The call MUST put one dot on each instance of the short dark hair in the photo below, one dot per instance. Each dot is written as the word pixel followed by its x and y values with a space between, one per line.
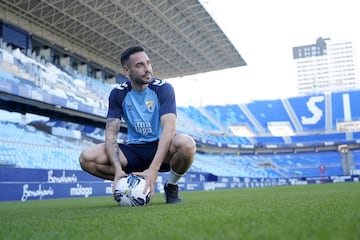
pixel 128 52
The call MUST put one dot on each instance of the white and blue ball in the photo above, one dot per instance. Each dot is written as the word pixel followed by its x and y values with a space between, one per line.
pixel 130 191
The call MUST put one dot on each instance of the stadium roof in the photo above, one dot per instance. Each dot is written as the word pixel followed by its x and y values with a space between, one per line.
pixel 181 37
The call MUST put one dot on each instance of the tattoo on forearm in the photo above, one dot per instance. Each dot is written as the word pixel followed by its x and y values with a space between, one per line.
pixel 111 132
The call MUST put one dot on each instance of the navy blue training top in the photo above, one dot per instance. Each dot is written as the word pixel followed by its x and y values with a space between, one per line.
pixel 142 110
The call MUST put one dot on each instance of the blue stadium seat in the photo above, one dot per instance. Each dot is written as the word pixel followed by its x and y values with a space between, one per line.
pixel 230 115
pixel 269 111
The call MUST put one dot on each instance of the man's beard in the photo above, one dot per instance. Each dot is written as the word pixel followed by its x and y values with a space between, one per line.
pixel 142 81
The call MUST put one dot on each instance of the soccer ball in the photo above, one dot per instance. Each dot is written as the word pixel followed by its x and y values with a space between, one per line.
pixel 130 191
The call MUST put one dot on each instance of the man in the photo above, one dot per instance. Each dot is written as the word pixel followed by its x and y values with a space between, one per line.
pixel 148 107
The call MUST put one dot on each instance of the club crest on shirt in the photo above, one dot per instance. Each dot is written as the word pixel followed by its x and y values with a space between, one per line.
pixel 150 105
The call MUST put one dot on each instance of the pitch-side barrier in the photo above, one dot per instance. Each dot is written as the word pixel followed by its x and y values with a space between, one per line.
pixel 20 184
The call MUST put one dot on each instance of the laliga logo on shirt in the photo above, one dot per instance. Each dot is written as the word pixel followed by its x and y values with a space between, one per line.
pixel 317 113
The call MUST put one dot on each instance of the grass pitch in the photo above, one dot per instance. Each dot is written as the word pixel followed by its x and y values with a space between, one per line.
pixel 326 211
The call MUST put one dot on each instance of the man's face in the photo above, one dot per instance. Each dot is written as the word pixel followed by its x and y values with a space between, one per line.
pixel 139 69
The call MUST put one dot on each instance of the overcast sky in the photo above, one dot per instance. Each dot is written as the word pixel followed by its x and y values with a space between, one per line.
pixel 264 33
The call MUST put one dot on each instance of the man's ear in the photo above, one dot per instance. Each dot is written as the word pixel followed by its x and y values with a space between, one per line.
pixel 126 70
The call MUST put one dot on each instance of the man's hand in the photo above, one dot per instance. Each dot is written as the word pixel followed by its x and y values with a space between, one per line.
pixel 117 177
pixel 150 176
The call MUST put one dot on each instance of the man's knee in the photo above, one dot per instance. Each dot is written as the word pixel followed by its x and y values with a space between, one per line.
pixel 190 146
pixel 82 160
pixel 187 145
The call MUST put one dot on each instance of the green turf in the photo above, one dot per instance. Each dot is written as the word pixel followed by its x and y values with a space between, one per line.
pixel 326 211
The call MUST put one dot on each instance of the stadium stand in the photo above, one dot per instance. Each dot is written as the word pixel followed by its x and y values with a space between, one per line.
pixel 307 116
pixel 305 137
pixel 230 115
pixel 24 146
pixel 356 155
